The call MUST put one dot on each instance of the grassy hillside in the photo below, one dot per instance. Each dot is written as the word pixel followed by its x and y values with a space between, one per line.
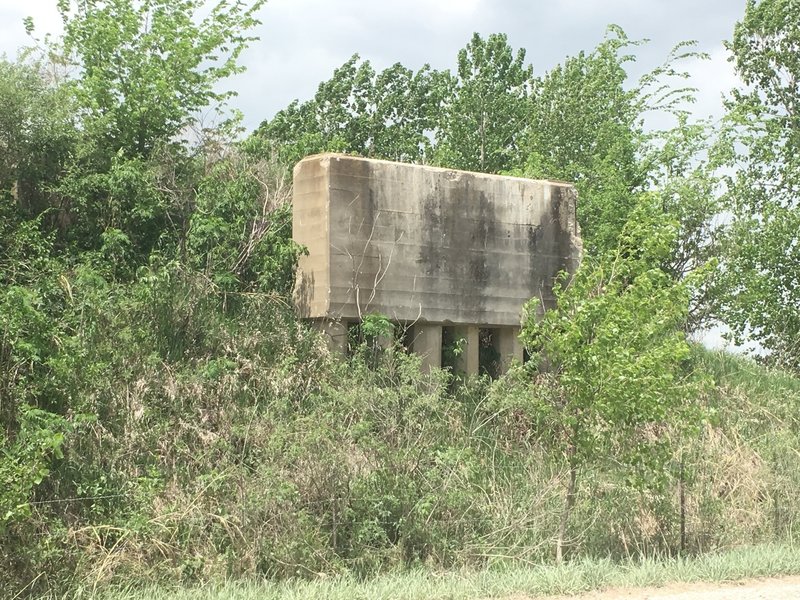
pixel 576 577
pixel 245 450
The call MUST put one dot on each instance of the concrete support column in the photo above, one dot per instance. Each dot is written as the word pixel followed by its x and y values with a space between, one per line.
pixel 508 346
pixel 335 333
pixel 468 361
pixel 427 343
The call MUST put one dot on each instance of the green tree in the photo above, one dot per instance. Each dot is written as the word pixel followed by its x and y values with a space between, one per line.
pixel 486 114
pixel 762 259
pixel 684 181
pixel 36 137
pixel 240 230
pixel 144 71
pixel 390 115
pixel 610 359
pixel 148 67
pixel 586 125
pixel 335 119
pixel 37 134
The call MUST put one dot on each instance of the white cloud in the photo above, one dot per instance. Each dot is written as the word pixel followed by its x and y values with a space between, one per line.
pixel 449 8
pixel 12 31
pixel 302 41
pixel 714 78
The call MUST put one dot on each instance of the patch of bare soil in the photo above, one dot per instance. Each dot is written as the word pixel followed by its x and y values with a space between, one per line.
pixel 784 588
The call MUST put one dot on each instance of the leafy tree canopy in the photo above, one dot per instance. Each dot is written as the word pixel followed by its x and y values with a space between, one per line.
pixel 148 67
pixel 390 115
pixel 486 113
pixel 612 382
pixel 762 130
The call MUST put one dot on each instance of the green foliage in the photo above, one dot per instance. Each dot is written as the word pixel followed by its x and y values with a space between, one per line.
pixel 612 357
pixel 122 206
pixel 475 117
pixel 763 134
pixel 452 348
pixel 30 398
pixel 240 230
pixel 166 417
pixel 377 325
pixel 145 71
pixel 485 116
pixel 389 115
pixel 36 135
pixel 228 444
pixel 615 349
pixel 105 213
pixel 585 127
pixel 147 67
pixel 683 170
pixel 26 457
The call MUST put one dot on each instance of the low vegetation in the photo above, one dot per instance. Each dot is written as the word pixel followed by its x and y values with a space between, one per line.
pixel 258 454
pixel 166 417
pixel 573 578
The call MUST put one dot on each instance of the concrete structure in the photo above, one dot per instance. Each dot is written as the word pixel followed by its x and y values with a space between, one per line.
pixel 429 248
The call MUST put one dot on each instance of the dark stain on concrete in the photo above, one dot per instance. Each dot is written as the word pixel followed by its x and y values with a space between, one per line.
pixel 430 256
pixel 483 227
pixel 535 235
pixel 461 238
pixel 459 222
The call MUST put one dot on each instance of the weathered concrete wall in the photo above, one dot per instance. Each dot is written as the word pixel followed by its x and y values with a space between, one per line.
pixel 423 244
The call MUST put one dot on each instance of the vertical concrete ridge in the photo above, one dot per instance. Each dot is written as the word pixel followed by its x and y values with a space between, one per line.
pixel 573 228
pixel 311 229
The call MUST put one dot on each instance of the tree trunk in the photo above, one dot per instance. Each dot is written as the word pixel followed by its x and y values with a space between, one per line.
pixel 569 502
pixel 483 141
pixel 682 490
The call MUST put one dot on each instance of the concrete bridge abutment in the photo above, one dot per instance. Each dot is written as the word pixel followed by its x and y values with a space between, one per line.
pixel 434 248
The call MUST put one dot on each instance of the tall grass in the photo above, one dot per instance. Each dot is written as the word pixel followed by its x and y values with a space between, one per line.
pixel 750 470
pixel 242 450
pixel 571 578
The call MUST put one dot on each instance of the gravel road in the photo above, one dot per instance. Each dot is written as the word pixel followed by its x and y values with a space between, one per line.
pixel 787 588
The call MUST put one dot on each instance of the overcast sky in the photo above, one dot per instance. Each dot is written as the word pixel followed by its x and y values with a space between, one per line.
pixel 303 41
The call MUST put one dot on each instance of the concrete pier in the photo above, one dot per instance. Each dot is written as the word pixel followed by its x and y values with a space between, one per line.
pixel 468 359
pixel 508 347
pixel 335 333
pixel 427 343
